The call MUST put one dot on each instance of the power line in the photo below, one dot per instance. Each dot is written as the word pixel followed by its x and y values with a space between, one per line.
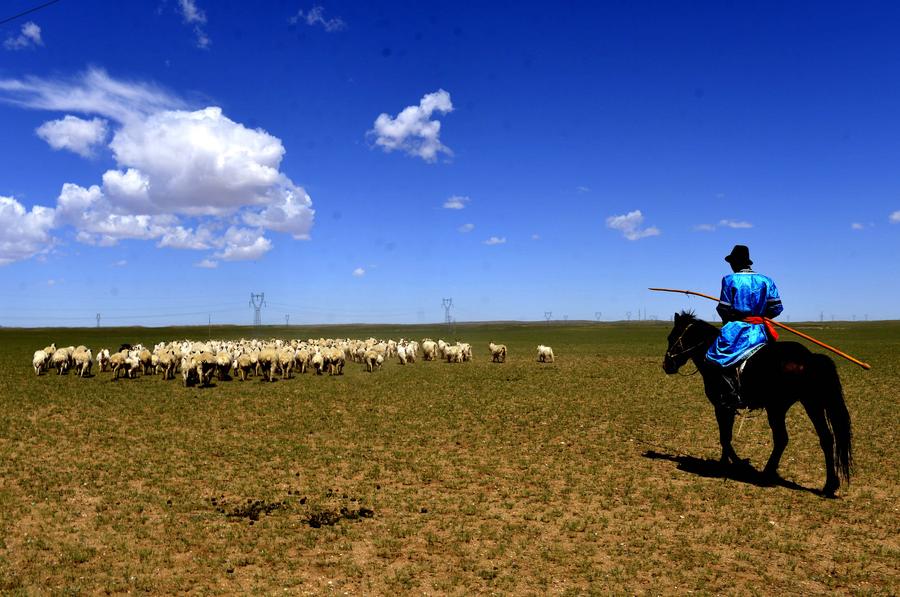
pixel 257 301
pixel 447 303
pixel 28 12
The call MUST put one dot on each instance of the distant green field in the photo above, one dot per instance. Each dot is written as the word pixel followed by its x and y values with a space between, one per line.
pixel 589 475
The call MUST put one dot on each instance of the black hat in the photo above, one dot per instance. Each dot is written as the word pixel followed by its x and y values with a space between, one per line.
pixel 740 255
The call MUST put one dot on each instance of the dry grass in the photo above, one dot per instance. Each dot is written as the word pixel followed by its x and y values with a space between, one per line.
pixel 589 475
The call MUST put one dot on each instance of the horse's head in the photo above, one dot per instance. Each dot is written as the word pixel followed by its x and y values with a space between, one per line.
pixel 687 337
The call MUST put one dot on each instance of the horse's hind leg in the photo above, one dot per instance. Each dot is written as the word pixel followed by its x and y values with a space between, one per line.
pixel 779 440
pixel 725 419
pixel 826 440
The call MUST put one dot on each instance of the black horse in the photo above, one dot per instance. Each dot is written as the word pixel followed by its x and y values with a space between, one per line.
pixel 777 376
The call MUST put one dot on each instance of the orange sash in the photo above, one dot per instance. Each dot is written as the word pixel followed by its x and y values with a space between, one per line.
pixel 770 329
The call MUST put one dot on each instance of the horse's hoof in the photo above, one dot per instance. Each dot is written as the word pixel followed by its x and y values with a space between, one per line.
pixel 830 489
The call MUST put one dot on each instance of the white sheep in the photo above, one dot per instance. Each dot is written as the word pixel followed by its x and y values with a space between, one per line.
pixel 243 365
pixel 545 354
pixel 60 361
pixel 83 361
pixel 166 362
pixel 453 354
pixel 102 359
pixel 267 360
pixel 285 359
pixel 317 362
pixel 117 363
pixel 39 361
pixel 373 360
pixel 334 360
pixel 498 352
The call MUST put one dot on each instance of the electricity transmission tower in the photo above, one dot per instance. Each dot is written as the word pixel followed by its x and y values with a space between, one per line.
pixel 548 315
pixel 598 315
pixel 287 319
pixel 257 301
pixel 447 303
pixel 628 315
pixel 98 320
pixel 565 318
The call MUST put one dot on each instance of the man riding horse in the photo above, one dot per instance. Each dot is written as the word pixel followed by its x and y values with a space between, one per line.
pixel 746 298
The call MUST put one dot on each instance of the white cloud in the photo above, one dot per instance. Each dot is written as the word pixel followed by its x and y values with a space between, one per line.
pixel 456 202
pixel 243 244
pixel 315 16
pixel 193 15
pixel 203 163
pixel 496 240
pixel 412 130
pixel 51 282
pixel 190 12
pixel 535 237
pixel 180 237
pixel 182 176
pixel 735 224
pixel 857 226
pixel 89 212
pixel 73 133
pixel 30 36
pixel 129 191
pixel 465 228
pixel 289 211
pixel 23 233
pixel 91 92
pixel 207 264
pixel 583 189
pixel 894 218
pixel 120 263
pixel 630 225
pixel 359 272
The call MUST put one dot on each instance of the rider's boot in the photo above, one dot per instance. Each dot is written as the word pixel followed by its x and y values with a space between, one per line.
pixel 729 390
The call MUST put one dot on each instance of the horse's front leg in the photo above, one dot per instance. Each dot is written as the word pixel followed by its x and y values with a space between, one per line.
pixel 725 419
pixel 779 440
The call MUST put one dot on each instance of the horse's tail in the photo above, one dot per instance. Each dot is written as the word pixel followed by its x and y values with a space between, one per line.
pixel 829 384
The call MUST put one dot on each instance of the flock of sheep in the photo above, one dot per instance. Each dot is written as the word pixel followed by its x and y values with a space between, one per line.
pixel 198 362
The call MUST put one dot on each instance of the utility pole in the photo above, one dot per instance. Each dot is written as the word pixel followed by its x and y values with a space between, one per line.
pixel 287 320
pixel 257 301
pixel 447 303
pixel 98 320
pixel 209 325
pixel 548 315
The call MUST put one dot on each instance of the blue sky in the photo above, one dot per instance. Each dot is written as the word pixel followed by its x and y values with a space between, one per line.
pixel 160 160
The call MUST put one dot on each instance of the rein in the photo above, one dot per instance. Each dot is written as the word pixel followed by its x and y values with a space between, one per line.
pixel 677 344
pixel 684 351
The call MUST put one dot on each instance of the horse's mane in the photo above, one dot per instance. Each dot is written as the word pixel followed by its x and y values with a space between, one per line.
pixel 690 317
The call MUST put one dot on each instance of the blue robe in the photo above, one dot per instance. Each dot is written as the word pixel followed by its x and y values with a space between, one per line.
pixel 744 294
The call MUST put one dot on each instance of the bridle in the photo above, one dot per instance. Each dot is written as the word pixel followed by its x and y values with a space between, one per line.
pixel 677 344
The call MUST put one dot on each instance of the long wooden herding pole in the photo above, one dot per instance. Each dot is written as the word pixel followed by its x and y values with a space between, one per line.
pixel 781 325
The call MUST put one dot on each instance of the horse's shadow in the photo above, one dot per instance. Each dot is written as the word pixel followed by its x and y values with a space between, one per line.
pixel 714 469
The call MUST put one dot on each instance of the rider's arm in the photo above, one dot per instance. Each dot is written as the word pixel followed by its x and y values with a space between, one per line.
pixel 773 301
pixel 724 308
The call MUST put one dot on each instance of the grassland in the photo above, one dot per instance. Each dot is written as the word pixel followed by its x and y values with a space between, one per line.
pixel 589 475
